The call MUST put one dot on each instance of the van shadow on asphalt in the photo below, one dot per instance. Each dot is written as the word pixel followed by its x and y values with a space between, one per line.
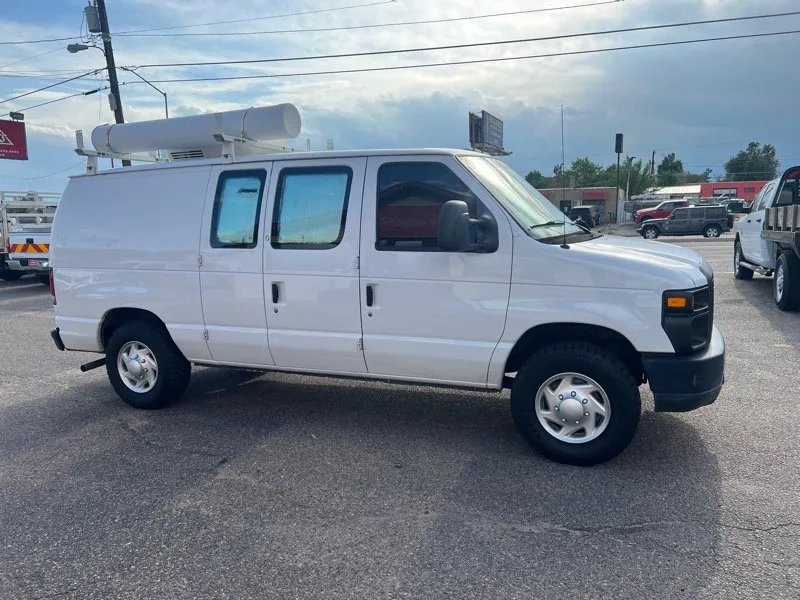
pixel 347 486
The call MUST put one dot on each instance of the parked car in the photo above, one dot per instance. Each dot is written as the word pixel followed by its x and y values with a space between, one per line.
pixel 710 221
pixel 661 211
pixel 584 215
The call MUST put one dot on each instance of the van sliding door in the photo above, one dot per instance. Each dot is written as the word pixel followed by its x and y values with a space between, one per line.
pixel 231 264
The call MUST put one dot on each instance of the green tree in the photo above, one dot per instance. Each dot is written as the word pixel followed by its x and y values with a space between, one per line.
pixel 586 172
pixel 670 171
pixel 537 179
pixel 640 178
pixel 754 162
pixel 703 177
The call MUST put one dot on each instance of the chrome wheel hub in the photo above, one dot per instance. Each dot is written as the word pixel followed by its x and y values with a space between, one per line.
pixel 573 408
pixel 779 282
pixel 137 367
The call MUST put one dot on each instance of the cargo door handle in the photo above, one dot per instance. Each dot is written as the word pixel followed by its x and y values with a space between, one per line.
pixel 370 295
pixel 758 220
pixel 276 296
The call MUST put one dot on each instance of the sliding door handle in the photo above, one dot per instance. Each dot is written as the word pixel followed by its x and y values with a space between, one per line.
pixel 276 295
pixel 370 295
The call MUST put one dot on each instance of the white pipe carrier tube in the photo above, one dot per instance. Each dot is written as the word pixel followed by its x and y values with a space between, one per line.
pixel 263 123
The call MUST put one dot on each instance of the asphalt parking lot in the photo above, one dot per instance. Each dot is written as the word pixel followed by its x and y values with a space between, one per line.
pixel 276 486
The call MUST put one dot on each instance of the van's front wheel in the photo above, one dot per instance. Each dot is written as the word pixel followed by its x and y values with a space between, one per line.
pixel 576 403
pixel 145 367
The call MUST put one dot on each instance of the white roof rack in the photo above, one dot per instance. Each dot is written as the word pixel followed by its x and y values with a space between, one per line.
pixel 254 130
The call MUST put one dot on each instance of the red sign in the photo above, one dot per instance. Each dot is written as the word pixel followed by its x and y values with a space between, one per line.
pixel 13 144
pixel 594 194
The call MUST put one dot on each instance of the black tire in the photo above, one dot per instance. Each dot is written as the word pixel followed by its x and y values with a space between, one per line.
pixel 652 230
pixel 43 279
pixel 7 275
pixel 590 361
pixel 739 271
pixel 173 371
pixel 787 274
pixel 712 231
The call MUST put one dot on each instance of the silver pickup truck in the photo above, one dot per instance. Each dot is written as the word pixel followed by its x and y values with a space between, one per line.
pixel 768 239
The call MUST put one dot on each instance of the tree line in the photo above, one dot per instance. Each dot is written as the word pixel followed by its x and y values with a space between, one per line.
pixel 755 162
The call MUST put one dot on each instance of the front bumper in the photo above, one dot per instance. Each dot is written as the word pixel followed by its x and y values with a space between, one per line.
pixel 681 383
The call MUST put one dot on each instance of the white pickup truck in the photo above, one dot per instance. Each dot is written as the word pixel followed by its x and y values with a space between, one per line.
pixel 26 219
pixel 425 266
pixel 768 239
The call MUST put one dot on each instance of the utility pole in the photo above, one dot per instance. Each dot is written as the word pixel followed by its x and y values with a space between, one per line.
pixel 112 68
pixel 653 165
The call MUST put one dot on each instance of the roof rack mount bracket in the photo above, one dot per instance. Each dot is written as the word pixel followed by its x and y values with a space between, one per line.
pixel 93 155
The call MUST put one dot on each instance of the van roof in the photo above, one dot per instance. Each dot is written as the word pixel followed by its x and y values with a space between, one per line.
pixel 286 156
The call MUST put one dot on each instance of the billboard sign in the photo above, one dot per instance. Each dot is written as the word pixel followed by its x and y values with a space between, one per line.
pixel 492 130
pixel 13 144
pixel 475 131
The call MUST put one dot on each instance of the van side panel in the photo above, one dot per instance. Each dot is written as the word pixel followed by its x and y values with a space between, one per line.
pixel 130 239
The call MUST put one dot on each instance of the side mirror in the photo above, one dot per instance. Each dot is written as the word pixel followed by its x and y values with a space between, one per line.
pixel 746 209
pixel 458 233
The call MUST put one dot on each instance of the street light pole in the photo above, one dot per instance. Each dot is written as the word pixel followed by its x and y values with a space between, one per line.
pixel 629 160
pixel 162 92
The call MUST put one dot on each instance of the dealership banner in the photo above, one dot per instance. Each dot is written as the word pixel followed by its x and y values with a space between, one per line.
pixel 13 144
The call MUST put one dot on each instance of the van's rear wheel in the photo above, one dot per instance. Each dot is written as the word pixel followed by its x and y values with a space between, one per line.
pixel 786 282
pixel 145 367
pixel 576 403
pixel 711 231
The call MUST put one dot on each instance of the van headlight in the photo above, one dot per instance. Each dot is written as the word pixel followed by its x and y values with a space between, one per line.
pixel 687 317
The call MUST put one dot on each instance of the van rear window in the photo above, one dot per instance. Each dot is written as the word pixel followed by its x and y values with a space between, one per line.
pixel 234 223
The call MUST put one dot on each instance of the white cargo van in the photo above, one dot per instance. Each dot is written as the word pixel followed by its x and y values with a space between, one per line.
pixel 425 266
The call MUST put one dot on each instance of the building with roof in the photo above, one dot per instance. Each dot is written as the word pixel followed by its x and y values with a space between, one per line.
pixel 605 200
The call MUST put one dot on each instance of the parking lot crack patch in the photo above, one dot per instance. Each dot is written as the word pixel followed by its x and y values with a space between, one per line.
pixel 179 449
pixel 755 529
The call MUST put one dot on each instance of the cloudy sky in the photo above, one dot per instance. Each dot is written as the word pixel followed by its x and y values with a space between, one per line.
pixel 701 101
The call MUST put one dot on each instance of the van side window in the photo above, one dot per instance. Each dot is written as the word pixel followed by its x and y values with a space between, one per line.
pixel 311 207
pixel 234 222
pixel 410 195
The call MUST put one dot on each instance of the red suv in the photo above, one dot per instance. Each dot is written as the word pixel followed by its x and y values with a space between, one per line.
pixel 662 211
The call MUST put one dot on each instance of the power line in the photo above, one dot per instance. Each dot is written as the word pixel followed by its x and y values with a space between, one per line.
pixel 59 99
pixel 20 42
pixel 377 25
pixel 476 61
pixel 440 64
pixel 293 14
pixel 469 45
pixel 69 168
pixel 16 62
pixel 52 85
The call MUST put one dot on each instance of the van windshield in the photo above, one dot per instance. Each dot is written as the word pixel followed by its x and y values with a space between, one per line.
pixel 526 205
